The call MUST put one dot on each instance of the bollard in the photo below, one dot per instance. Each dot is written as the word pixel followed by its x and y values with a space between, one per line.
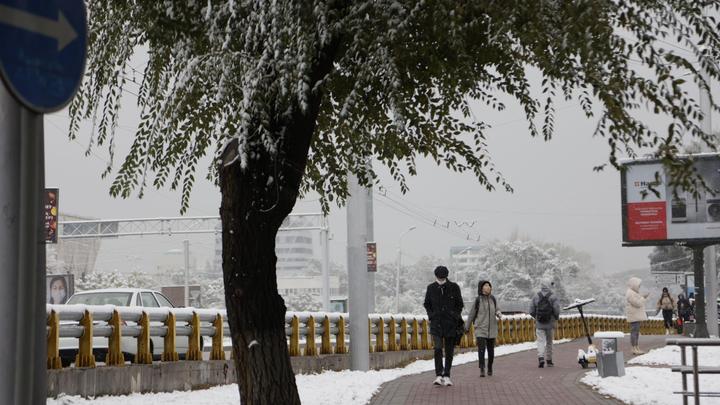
pixel 114 356
pixel 325 345
pixel 370 344
pixel 425 339
pixel 380 337
pixel 85 357
pixel 310 348
pixel 169 352
pixel 415 343
pixel 53 341
pixel 143 356
pixel 404 335
pixel 193 353
pixel 218 351
pixel 340 337
pixel 392 333
pixel 294 348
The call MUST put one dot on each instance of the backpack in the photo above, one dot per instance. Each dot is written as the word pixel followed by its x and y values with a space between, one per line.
pixel 544 310
pixel 477 303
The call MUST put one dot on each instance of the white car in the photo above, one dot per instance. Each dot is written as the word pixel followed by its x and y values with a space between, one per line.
pixel 124 297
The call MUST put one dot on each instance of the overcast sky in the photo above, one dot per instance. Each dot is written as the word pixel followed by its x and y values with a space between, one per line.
pixel 557 198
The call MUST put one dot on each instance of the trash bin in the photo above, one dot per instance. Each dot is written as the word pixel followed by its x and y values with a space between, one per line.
pixel 610 360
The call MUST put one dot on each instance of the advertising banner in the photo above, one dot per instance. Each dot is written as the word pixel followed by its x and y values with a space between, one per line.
pixel 59 287
pixel 669 218
pixel 371 257
pixel 50 209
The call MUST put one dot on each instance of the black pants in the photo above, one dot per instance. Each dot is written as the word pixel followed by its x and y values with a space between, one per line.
pixel 482 344
pixel 449 343
pixel 667 316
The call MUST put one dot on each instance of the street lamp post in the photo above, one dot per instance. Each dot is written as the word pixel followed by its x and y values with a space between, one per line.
pixel 397 275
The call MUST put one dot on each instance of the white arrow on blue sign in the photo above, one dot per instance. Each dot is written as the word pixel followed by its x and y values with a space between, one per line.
pixel 42 57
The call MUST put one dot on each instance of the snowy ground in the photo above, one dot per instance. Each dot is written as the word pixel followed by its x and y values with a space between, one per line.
pixel 644 385
pixel 327 388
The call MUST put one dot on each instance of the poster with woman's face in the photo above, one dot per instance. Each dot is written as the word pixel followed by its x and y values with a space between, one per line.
pixel 59 288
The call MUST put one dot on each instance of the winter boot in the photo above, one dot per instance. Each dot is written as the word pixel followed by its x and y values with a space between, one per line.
pixel 489 370
pixel 550 363
pixel 639 350
pixel 541 362
pixel 438 380
pixel 482 372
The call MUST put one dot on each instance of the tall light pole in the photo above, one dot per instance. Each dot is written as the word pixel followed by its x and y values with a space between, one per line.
pixel 399 266
pixel 711 287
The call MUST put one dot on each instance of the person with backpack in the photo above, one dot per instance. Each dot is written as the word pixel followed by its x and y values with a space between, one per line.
pixel 545 308
pixel 484 314
pixel 635 311
pixel 444 304
pixel 683 307
pixel 666 303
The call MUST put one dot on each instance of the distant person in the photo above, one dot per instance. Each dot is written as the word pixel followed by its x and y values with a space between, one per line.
pixel 684 308
pixel 545 308
pixel 444 304
pixel 635 311
pixel 666 303
pixel 484 314
pixel 58 290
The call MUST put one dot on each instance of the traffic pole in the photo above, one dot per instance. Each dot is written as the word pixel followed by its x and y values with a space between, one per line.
pixel 23 378
pixel 357 275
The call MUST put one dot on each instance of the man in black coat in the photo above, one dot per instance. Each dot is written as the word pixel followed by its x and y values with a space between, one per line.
pixel 444 304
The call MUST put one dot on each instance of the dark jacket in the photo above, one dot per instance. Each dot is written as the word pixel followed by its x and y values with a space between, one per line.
pixel 444 305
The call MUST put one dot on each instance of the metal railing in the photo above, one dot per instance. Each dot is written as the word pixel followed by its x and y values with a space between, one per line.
pixel 302 329
pixel 695 369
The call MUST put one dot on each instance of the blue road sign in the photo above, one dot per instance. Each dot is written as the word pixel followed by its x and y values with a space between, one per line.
pixel 42 50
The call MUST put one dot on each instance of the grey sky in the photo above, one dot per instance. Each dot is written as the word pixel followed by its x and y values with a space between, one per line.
pixel 557 198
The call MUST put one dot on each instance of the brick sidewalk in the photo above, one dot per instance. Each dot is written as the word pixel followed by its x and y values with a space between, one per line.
pixel 517 380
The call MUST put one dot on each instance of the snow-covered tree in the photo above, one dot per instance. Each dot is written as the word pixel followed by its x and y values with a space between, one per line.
pixel 290 96
pixel 303 302
pixel 114 279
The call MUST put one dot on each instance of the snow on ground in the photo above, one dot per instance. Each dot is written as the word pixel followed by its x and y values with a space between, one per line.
pixel 650 386
pixel 655 385
pixel 327 388
pixel 670 356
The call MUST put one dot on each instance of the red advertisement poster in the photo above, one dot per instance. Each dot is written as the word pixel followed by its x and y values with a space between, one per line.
pixel 52 196
pixel 647 221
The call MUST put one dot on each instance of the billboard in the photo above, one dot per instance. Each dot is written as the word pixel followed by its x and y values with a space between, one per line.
pixel 176 295
pixel 50 209
pixel 372 257
pixel 669 218
pixel 58 288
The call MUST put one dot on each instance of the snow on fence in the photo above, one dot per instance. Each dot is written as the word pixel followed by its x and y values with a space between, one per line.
pixel 387 332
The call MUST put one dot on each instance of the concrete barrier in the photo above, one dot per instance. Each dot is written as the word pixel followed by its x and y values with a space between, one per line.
pixel 192 375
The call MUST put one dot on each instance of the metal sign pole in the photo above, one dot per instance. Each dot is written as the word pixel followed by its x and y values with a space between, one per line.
pixel 357 276
pixel 701 330
pixel 23 377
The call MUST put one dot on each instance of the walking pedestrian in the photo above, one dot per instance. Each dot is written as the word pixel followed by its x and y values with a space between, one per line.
pixel 444 304
pixel 683 307
pixel 484 314
pixel 545 308
pixel 635 311
pixel 666 303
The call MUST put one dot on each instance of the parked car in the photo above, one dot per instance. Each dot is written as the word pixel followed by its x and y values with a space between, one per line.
pixel 124 297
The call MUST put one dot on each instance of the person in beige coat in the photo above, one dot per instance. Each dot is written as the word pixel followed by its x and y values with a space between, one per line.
pixel 635 311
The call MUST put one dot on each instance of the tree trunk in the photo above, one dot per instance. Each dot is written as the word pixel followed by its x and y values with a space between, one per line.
pixel 256 312
pixel 255 201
